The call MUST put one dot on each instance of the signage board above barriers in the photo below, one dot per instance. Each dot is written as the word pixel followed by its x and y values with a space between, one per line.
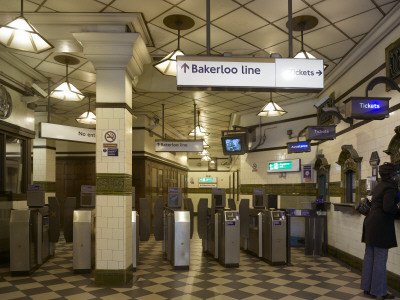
pixel 321 132
pixel 244 74
pixel 179 145
pixel 367 108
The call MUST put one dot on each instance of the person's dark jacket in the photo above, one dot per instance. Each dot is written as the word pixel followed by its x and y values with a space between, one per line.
pixel 378 229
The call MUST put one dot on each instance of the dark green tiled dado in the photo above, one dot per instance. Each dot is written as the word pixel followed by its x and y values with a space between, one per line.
pixel 113 277
pixel 304 189
pixel 113 184
pixel 49 187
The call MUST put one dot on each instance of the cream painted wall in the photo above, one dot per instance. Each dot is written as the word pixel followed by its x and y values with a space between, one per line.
pixel 223 179
pixel 344 230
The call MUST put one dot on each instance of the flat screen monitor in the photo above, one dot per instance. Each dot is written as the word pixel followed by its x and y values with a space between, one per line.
pixel 234 144
pixel 258 201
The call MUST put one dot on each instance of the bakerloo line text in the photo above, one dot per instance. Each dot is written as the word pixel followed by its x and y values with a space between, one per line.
pixel 204 69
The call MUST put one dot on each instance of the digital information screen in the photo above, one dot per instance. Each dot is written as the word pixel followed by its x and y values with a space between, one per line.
pixel 282 166
pixel 233 145
pixel 321 132
pixel 367 108
pixel 297 147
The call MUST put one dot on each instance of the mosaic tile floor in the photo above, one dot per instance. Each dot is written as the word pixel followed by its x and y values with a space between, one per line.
pixel 308 278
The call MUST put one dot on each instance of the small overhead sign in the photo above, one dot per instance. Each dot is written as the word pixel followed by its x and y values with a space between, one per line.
pixel 179 145
pixel 321 132
pixel 67 133
pixel 262 74
pixel 297 147
pixel 367 108
pixel 281 166
pixel 208 179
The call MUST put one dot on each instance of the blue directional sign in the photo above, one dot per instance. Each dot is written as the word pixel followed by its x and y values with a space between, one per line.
pixel 376 108
pixel 321 132
pixel 297 147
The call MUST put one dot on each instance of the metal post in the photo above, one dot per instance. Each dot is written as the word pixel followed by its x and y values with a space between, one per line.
pixel 290 25
pixel 288 241
pixel 208 22
pixel 48 100
pixel 162 136
pixel 194 113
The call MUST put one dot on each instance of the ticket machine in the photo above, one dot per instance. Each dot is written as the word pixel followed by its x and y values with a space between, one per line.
pixel 173 229
pixel 219 229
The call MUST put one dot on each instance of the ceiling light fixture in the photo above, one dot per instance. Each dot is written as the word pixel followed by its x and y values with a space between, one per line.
pixel 271 109
pixel 204 152
pixel 302 23
pixel 87 117
pixel 206 158
pixel 200 131
pixel 19 34
pixel 66 91
pixel 167 66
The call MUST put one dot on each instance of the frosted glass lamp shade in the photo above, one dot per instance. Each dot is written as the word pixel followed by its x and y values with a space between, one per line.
pixel 67 92
pixel 87 118
pixel 21 35
pixel 167 65
pixel 271 110
pixel 200 131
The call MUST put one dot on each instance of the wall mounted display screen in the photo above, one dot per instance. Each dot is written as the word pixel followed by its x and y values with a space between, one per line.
pixel 367 108
pixel 321 132
pixel 234 144
pixel 297 147
pixel 218 201
pixel 282 166
pixel 258 201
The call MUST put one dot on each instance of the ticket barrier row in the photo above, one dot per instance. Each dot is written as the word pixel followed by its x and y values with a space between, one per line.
pixel 263 232
pixel 219 229
pixel 33 232
pixel 174 227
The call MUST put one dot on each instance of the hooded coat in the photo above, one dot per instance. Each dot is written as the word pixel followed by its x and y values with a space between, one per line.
pixel 378 229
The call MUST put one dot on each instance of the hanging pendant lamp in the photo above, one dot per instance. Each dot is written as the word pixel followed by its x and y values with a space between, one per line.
pixel 167 66
pixel 66 91
pixel 88 117
pixel 200 131
pixel 302 23
pixel 271 109
pixel 206 158
pixel 204 152
pixel 19 34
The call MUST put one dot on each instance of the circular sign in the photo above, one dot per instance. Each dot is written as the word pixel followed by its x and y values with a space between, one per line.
pixel 110 136
pixel 5 103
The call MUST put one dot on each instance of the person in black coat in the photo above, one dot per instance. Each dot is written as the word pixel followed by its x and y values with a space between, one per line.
pixel 379 233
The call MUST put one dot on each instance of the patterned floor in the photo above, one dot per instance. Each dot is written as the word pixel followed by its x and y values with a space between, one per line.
pixel 308 278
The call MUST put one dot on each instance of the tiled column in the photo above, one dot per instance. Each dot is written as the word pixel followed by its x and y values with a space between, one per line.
pixel 44 159
pixel 110 54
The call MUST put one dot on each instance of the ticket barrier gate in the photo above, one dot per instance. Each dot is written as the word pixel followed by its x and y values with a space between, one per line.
pixel 263 232
pixel 83 230
pixel 173 226
pixel 219 229
pixel 83 240
pixel 31 237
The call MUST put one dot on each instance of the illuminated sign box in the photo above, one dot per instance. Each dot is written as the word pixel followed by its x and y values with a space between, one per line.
pixel 208 180
pixel 282 166
pixel 367 108
pixel 321 132
pixel 297 147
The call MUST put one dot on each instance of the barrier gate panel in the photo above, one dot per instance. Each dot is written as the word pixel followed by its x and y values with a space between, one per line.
pixel 144 219
pixel 188 205
pixel 202 208
pixel 158 220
